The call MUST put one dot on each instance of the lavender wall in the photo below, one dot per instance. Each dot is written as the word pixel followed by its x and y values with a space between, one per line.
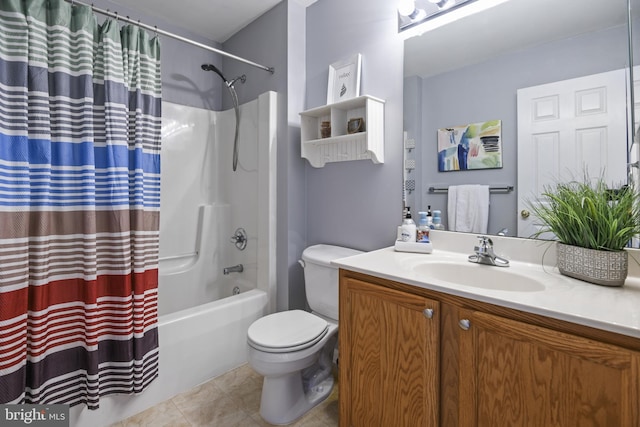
pixel 277 39
pixel 356 204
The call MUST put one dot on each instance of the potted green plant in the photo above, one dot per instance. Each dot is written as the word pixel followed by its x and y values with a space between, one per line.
pixel 593 224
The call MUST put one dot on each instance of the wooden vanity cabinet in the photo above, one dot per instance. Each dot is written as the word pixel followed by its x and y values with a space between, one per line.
pixel 475 364
pixel 515 374
pixel 389 352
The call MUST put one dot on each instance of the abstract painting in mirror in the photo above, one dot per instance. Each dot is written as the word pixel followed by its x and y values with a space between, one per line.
pixel 469 147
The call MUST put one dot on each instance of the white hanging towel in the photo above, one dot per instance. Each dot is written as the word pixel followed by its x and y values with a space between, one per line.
pixel 468 208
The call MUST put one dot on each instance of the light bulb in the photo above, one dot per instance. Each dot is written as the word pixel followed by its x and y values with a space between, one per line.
pixel 406 7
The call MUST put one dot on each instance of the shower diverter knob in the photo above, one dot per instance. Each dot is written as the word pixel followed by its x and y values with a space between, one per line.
pixel 239 238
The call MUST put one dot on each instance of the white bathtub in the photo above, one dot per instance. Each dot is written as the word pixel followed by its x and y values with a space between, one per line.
pixel 195 345
pixel 202 326
pixel 203 342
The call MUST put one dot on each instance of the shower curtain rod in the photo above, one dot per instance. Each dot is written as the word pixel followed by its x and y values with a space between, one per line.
pixel 171 35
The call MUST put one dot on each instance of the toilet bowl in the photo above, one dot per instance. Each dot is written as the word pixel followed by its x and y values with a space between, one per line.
pixel 293 349
pixel 297 375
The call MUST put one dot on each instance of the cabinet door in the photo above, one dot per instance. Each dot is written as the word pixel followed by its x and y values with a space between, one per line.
pixel 515 374
pixel 389 367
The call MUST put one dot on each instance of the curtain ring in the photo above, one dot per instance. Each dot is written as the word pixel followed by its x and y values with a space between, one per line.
pixel 155 29
pixel 116 16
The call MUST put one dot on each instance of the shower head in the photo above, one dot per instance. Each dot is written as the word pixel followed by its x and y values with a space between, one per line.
pixel 234 98
pixel 229 83
pixel 211 67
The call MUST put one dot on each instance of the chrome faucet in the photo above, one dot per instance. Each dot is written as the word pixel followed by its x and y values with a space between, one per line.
pixel 484 254
pixel 233 269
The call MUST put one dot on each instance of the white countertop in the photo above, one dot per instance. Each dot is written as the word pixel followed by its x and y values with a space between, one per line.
pixel 615 309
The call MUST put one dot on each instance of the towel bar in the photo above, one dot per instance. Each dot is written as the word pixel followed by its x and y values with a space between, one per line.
pixel 492 189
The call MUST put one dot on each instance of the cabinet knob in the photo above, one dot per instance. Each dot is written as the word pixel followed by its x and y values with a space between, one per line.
pixel 428 313
pixel 464 324
pixel 525 214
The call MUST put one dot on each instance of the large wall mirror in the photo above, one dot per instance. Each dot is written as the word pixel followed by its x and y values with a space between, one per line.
pixel 490 66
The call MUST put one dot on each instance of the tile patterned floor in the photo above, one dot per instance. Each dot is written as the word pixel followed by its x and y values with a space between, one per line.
pixel 230 400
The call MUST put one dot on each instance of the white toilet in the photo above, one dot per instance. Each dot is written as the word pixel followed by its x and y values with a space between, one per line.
pixel 294 349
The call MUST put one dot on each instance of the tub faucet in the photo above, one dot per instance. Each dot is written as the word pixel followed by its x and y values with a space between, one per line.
pixel 484 254
pixel 233 269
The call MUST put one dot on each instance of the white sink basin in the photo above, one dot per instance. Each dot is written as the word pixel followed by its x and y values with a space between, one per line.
pixel 478 276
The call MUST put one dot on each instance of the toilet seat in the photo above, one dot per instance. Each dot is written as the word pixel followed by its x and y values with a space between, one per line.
pixel 286 331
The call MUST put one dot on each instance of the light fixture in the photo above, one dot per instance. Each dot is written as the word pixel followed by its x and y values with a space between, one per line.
pixel 413 12
pixel 420 16
pixel 443 4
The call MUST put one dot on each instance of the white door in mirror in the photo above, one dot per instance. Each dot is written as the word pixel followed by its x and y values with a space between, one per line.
pixel 566 129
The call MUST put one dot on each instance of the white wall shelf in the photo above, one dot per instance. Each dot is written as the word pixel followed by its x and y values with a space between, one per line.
pixel 342 146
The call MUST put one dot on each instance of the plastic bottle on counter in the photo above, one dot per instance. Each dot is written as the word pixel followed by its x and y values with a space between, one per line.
pixel 408 227
pixel 437 220
pixel 423 228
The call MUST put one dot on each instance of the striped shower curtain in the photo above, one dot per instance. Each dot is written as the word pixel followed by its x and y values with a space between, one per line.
pixel 79 204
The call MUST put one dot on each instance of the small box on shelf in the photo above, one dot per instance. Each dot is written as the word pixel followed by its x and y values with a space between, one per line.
pixel 325 129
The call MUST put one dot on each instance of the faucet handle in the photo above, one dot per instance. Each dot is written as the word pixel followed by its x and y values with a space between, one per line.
pixel 239 238
pixel 485 255
pixel 485 241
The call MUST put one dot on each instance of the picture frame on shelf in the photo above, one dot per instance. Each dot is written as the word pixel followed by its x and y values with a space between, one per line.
pixel 344 79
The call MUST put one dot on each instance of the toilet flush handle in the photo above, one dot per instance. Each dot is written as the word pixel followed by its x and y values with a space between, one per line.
pixel 302 264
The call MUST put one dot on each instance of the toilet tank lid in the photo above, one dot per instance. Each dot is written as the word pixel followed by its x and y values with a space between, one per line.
pixel 324 254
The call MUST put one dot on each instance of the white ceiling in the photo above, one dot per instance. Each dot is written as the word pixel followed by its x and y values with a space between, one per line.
pixel 215 20
pixel 505 28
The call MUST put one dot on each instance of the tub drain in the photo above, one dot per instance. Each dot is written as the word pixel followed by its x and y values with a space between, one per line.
pixel 236 290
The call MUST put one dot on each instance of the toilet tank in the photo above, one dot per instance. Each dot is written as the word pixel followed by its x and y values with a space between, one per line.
pixel 321 278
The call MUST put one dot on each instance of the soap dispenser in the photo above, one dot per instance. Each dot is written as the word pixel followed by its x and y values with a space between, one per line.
pixel 423 228
pixel 437 221
pixel 408 227
pixel 407 234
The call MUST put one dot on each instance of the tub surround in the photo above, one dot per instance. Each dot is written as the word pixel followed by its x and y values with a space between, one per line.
pixel 203 201
pixel 563 298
